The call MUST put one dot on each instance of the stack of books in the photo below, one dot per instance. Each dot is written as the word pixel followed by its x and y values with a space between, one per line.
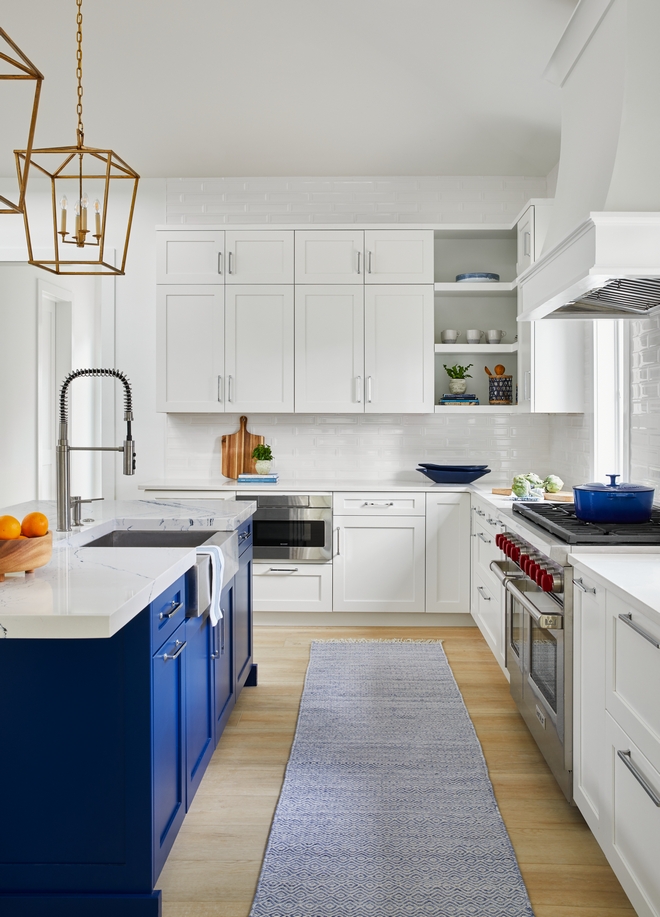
pixel 460 399
pixel 271 478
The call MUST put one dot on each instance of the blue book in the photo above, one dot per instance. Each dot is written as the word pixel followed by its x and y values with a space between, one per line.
pixel 258 478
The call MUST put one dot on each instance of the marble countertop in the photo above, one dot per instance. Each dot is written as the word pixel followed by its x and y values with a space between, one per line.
pixel 94 592
pixel 413 482
pixel 635 577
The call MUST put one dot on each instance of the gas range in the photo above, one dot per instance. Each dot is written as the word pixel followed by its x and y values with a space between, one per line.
pixel 559 519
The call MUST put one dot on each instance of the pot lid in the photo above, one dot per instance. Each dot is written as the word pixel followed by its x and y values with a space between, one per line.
pixel 614 487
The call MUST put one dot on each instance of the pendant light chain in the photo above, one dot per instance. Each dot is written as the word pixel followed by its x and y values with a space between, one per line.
pixel 79 108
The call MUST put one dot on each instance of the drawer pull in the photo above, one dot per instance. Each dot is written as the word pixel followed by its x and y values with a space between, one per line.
pixel 483 538
pixel 281 570
pixel 179 648
pixel 580 584
pixel 173 608
pixel 482 592
pixel 492 521
pixel 645 785
pixel 243 536
pixel 627 619
pixel 378 503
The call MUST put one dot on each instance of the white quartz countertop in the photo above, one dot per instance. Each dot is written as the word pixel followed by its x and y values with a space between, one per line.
pixel 94 592
pixel 633 576
pixel 414 482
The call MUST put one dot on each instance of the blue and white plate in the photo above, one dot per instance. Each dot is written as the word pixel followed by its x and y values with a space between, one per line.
pixel 478 277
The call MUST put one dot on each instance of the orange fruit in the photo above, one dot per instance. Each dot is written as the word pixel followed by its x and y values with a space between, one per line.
pixel 34 525
pixel 9 527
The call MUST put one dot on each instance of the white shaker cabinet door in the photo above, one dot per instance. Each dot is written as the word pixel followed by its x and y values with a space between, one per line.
pixel 378 564
pixel 398 256
pixel 259 348
pixel 329 348
pixel 399 349
pixel 193 256
pixel 525 240
pixel 448 553
pixel 259 256
pixel 330 256
pixel 190 348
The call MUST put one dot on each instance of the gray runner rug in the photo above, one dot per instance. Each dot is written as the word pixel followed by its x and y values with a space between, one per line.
pixel 386 808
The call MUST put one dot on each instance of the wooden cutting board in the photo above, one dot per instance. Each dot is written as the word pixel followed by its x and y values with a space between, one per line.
pixel 237 451
pixel 563 496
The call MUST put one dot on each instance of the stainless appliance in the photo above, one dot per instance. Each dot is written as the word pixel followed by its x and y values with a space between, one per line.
pixel 538 581
pixel 292 527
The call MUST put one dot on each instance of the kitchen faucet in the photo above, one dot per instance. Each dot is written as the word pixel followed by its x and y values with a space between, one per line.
pixel 65 502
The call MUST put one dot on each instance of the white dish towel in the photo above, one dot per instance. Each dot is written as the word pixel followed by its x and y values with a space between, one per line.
pixel 217 572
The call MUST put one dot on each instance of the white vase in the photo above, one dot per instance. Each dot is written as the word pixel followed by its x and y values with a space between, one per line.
pixel 263 466
pixel 457 386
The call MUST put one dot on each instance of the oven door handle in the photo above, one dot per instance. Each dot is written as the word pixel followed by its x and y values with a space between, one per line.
pixel 545 622
pixel 498 567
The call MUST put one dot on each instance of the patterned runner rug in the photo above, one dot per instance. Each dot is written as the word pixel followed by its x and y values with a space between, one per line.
pixel 386 808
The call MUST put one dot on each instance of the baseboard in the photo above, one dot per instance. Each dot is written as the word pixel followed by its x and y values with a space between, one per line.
pixel 359 619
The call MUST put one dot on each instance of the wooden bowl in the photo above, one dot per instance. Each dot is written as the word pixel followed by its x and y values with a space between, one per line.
pixel 18 555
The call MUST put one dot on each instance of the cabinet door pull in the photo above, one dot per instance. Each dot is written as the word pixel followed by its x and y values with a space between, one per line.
pixel 483 538
pixel 527 249
pixel 482 592
pixel 580 584
pixel 230 388
pixel 173 608
pixel 627 619
pixel 369 389
pixel 231 262
pixel 369 261
pixel 527 387
pixel 337 531
pixel 358 389
pixel 626 757
pixel 359 259
pixel 283 570
pixel 216 653
pixel 219 262
pixel 219 388
pixel 179 648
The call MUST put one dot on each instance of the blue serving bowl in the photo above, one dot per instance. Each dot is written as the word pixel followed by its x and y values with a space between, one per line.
pixel 433 467
pixel 477 277
pixel 453 477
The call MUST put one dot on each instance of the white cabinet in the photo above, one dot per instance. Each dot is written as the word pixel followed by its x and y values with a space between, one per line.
pixel 399 353
pixel 589 624
pixel 190 256
pixel 378 563
pixel 448 553
pixel 291 587
pixel 551 366
pixel 525 240
pixel 398 256
pixel 259 348
pixel 255 256
pixel 190 348
pixel 330 256
pixel 329 348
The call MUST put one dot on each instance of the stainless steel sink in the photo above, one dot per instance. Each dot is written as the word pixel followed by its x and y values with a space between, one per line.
pixel 149 538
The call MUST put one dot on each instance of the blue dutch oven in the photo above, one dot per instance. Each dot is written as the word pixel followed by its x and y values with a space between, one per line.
pixel 613 503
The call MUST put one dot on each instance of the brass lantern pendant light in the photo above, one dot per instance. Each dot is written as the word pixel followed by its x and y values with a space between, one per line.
pixel 80 178
pixel 16 66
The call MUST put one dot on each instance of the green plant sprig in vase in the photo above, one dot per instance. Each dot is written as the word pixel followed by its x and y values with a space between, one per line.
pixel 457 376
pixel 263 457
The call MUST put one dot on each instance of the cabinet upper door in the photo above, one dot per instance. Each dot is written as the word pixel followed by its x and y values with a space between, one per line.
pixel 398 256
pixel 190 256
pixel 330 348
pixel 190 348
pixel 259 348
pixel 329 256
pixel 259 256
pixel 525 233
pixel 399 350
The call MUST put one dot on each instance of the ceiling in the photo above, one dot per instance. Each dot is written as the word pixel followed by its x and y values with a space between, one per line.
pixel 296 87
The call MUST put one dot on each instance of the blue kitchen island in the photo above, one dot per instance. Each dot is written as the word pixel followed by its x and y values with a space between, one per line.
pixel 115 694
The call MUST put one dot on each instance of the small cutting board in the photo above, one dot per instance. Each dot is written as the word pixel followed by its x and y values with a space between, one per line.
pixel 237 451
pixel 563 496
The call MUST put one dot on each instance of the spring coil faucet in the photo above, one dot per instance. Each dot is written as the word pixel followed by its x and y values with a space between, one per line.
pixel 68 507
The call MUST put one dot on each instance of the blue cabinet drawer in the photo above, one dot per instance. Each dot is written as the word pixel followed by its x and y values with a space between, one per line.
pixel 245 536
pixel 167 612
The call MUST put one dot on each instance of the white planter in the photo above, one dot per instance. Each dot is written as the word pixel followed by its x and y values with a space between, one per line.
pixel 263 467
pixel 457 386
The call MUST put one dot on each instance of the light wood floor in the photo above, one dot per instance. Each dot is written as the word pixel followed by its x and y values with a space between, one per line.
pixel 214 865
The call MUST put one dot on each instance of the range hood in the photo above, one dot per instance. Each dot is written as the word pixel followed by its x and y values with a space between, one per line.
pixel 601 257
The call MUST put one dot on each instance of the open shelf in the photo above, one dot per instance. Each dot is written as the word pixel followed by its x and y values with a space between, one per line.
pixel 477 348
pixel 486 289
pixel 477 409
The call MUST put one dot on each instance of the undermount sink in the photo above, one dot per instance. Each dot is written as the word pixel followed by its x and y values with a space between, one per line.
pixel 148 538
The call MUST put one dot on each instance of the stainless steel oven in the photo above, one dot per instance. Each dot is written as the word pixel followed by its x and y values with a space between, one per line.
pixel 539 647
pixel 292 527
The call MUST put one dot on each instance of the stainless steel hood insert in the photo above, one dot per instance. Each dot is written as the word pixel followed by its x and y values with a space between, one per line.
pixel 635 295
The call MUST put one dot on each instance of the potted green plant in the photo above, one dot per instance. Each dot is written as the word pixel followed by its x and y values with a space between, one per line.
pixel 263 459
pixel 457 376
